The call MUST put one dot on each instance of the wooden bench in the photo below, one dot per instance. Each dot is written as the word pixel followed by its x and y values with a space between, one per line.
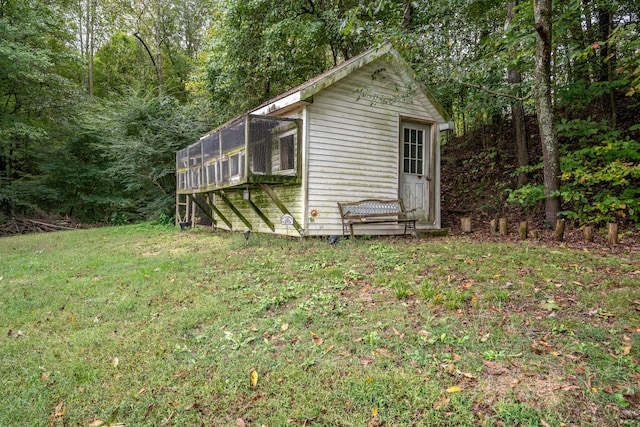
pixel 375 211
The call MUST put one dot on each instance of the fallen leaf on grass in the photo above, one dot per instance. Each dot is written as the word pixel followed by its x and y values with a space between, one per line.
pixel 96 423
pixel 316 339
pixel 284 327
pixel 629 414
pixel 493 369
pixel 544 423
pixel 115 362
pixel 253 378
pixel 465 374
pixel 441 403
pixel 573 357
pixel 180 374
pixel 568 387
pixel 58 412
pixel 13 334
pixel 541 347
pixel 240 423
pixel 194 405
pixel 383 351
pixel 148 411
pixel 489 364
pixel 454 389
pixel 632 399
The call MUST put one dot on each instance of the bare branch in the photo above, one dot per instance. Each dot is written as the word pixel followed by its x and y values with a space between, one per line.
pixel 137 35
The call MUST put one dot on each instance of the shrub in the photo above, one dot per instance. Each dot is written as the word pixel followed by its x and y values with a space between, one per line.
pixel 601 181
pixel 526 196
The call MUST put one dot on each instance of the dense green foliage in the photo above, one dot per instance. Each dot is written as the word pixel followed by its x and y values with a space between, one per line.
pixel 81 135
pixel 38 95
pixel 600 175
pixel 601 179
pixel 142 134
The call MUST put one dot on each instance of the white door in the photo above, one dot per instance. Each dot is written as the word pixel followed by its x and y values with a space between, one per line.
pixel 415 167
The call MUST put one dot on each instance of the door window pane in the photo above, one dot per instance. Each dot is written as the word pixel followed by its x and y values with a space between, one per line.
pixel 413 151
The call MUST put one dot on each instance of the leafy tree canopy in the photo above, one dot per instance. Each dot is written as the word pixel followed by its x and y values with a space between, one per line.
pixel 96 95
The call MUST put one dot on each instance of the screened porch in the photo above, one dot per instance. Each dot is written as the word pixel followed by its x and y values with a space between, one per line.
pixel 249 150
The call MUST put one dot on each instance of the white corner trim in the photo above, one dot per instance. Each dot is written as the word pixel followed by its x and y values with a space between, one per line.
pixel 278 105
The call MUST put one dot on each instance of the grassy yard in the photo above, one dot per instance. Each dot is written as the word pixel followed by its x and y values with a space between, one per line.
pixel 146 325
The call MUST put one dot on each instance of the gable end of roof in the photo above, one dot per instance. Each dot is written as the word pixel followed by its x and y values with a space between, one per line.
pixel 299 94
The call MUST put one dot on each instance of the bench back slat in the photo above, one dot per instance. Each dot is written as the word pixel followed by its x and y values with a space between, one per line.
pixel 371 208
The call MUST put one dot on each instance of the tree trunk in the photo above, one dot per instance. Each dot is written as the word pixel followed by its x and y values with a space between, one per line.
pixel 607 58
pixel 158 41
pixel 406 15
pixel 91 17
pixel 520 137
pixel 542 89
pixel 519 130
pixel 517 111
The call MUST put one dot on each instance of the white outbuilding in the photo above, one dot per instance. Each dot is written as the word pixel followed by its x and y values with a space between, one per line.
pixel 366 129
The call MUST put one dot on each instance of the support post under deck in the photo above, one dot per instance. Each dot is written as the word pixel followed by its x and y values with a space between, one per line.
pixel 194 199
pixel 219 214
pixel 235 210
pixel 281 205
pixel 262 216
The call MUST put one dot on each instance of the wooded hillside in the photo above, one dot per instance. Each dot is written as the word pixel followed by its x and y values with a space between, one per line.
pixel 96 96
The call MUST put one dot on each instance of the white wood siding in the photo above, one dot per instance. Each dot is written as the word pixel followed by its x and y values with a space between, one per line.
pixel 353 142
pixel 290 195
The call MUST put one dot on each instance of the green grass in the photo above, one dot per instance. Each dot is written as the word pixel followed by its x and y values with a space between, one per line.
pixel 147 325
